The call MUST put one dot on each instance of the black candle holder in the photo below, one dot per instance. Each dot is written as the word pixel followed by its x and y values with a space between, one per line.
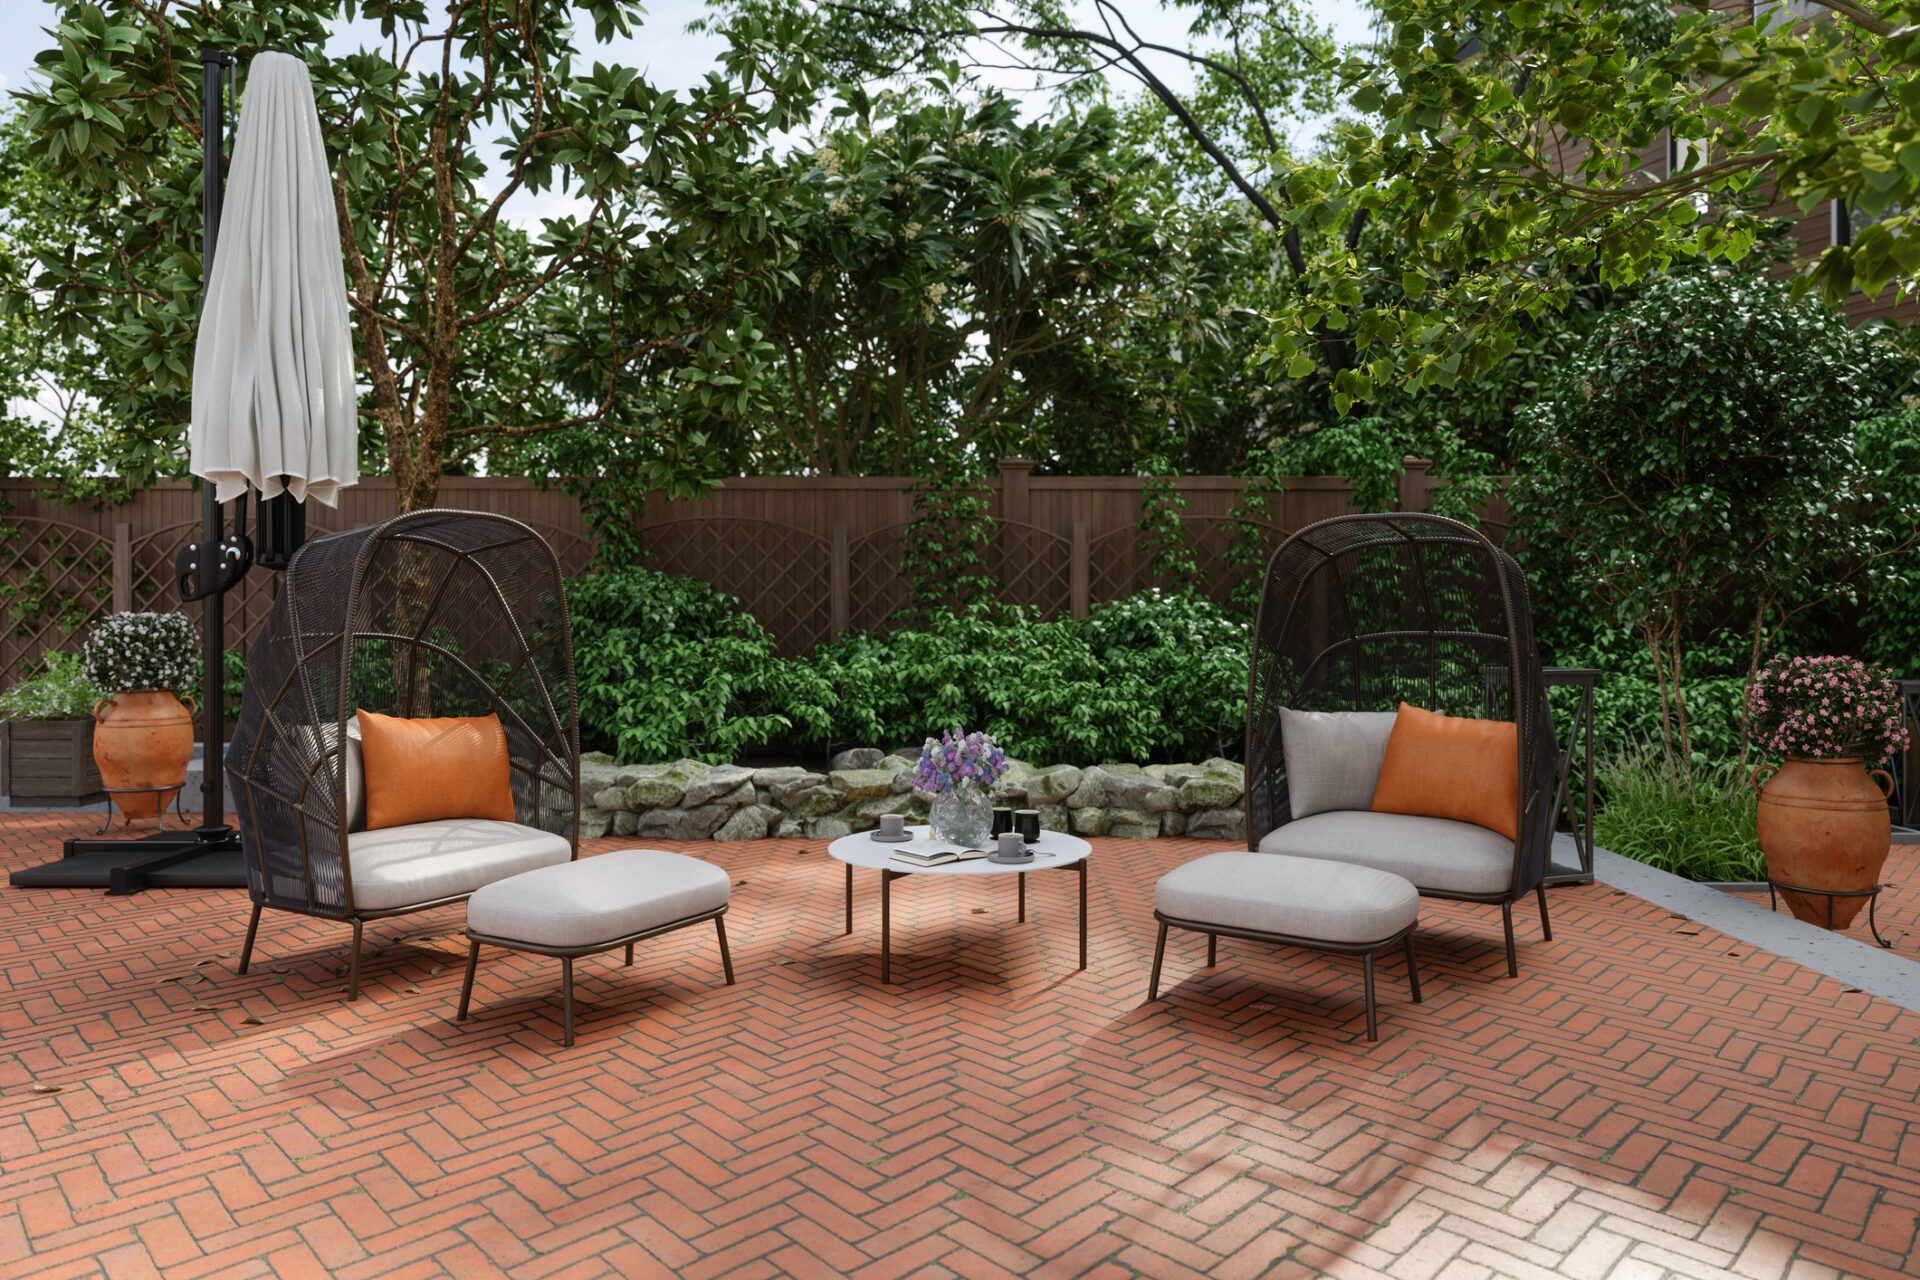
pixel 1027 823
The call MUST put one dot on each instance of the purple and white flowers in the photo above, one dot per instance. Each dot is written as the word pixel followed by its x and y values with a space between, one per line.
pixel 1827 708
pixel 957 759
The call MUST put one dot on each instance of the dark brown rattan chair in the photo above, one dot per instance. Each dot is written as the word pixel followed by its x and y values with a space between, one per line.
pixel 1360 613
pixel 433 613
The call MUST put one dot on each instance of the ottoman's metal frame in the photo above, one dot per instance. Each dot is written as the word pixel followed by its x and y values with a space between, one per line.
pixel 1365 950
pixel 569 954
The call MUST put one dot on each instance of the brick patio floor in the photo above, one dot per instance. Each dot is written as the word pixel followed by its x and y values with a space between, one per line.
pixel 1649 1098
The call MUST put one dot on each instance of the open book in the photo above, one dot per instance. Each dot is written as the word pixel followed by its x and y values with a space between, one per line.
pixel 934 853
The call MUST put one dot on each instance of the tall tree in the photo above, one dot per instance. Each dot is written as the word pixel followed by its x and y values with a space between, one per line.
pixel 457 116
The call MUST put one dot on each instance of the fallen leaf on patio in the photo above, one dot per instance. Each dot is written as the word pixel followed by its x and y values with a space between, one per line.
pixel 279 968
pixel 1735 954
pixel 1852 991
pixel 206 1008
pixel 198 963
pixel 979 911
pixel 226 954
pixel 412 991
pixel 1688 933
pixel 46 1088
pixel 739 884
pixel 436 971
pixel 251 1021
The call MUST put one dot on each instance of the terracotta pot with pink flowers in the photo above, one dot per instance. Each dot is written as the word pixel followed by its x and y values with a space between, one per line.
pixel 1823 820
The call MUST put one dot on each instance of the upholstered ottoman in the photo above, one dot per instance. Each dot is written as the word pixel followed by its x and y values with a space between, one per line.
pixel 1298 902
pixel 594 905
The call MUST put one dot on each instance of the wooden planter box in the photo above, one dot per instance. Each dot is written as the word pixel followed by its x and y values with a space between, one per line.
pixel 49 763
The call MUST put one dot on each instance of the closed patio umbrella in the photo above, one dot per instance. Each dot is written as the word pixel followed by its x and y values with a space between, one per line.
pixel 273 394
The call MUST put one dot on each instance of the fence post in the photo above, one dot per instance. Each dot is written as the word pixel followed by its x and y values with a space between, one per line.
pixel 1016 500
pixel 1416 485
pixel 839 603
pixel 122 568
pixel 1079 577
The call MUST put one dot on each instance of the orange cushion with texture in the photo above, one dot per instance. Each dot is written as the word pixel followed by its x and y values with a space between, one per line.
pixel 1447 767
pixel 433 768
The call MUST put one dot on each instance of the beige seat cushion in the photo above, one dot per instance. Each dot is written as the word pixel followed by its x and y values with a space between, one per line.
pixel 426 861
pixel 1298 897
pixel 598 899
pixel 1436 854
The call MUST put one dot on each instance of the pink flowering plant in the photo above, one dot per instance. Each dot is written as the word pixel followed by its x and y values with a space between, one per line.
pixel 1827 708
pixel 956 759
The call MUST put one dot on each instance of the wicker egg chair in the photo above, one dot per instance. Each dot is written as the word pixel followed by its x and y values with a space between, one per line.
pixel 432 613
pixel 1361 613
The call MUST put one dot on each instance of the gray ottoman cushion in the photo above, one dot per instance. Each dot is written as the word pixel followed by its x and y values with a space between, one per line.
pixel 1299 897
pixel 598 899
pixel 1435 853
pixel 1333 757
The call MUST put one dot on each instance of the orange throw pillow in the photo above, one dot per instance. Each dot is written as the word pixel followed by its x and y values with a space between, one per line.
pixel 1441 767
pixel 428 769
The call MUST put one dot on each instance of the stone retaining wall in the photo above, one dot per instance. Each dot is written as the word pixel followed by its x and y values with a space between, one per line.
pixel 689 800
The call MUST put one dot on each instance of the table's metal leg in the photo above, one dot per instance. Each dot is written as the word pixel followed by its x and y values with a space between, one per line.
pixel 849 928
pixel 1081 866
pixel 886 925
pixel 1022 878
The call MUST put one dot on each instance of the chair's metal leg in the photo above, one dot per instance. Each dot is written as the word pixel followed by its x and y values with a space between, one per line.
pixel 1546 925
pixel 466 987
pixel 566 996
pixel 246 948
pixel 1082 865
pixel 1373 1023
pixel 849 928
pixel 353 965
pixel 1022 878
pixel 1159 953
pixel 630 955
pixel 1506 919
pixel 1213 949
pixel 726 957
pixel 886 925
pixel 1413 969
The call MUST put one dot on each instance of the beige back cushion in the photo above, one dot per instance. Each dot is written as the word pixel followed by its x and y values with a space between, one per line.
pixel 1333 758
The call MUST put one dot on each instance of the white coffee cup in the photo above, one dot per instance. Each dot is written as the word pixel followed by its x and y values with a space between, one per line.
pixel 1012 845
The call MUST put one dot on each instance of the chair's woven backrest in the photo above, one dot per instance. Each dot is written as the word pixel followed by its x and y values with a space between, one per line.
pixel 1361 613
pixel 433 613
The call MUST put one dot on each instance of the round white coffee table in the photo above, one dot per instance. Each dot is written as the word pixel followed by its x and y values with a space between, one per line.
pixel 1054 850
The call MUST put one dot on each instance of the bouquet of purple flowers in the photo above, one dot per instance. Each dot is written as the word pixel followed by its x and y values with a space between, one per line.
pixel 957 759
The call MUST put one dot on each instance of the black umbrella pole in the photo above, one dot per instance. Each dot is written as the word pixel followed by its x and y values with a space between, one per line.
pixel 213 606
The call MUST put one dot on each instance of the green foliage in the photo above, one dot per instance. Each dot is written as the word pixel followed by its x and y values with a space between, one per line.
pixel 1696 457
pixel 1627 707
pixel 1154 676
pixel 1163 538
pixel 1694 822
pixel 943 548
pixel 1888 449
pixel 59 691
pixel 668 668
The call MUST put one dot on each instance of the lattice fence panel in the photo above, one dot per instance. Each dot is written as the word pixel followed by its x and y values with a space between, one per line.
pixel 875 589
pixel 55 580
pixel 779 572
pixel 1116 567
pixel 1210 538
pixel 1034 566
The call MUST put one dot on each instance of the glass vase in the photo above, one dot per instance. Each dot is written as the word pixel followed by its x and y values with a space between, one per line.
pixel 962 816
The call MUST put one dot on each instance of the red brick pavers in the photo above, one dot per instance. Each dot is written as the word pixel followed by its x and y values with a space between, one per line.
pixel 1649 1098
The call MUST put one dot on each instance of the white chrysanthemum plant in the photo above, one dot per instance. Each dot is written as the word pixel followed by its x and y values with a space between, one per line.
pixel 139 651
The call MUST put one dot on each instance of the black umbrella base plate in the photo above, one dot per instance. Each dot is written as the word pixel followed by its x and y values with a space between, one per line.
pixel 176 860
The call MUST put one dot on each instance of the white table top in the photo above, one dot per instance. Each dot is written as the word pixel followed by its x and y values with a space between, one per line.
pixel 1052 849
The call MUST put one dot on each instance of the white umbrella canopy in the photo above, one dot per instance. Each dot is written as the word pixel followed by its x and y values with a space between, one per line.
pixel 273 393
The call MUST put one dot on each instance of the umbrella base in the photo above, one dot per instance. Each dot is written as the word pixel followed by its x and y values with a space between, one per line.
pixel 177 860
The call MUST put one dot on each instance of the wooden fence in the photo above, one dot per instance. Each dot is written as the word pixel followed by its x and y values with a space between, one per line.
pixel 809 556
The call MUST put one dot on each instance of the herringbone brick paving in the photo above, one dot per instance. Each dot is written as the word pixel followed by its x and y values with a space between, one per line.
pixel 1649 1098
pixel 1897 911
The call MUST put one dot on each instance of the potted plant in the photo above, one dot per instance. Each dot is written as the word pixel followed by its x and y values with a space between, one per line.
pixel 1823 819
pixel 143 734
pixel 959 770
pixel 48 726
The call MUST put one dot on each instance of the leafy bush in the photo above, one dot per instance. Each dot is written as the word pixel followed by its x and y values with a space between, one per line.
pixel 1889 449
pixel 1626 696
pixel 1695 822
pixel 669 667
pixel 1154 676
pixel 61 691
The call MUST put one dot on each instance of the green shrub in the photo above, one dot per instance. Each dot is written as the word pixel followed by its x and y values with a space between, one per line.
pixel 60 691
pixel 669 667
pixel 1626 696
pixel 1697 823
pixel 1155 676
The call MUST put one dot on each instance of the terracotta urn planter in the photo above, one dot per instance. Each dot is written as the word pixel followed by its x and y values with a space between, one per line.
pixel 1824 825
pixel 143 738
